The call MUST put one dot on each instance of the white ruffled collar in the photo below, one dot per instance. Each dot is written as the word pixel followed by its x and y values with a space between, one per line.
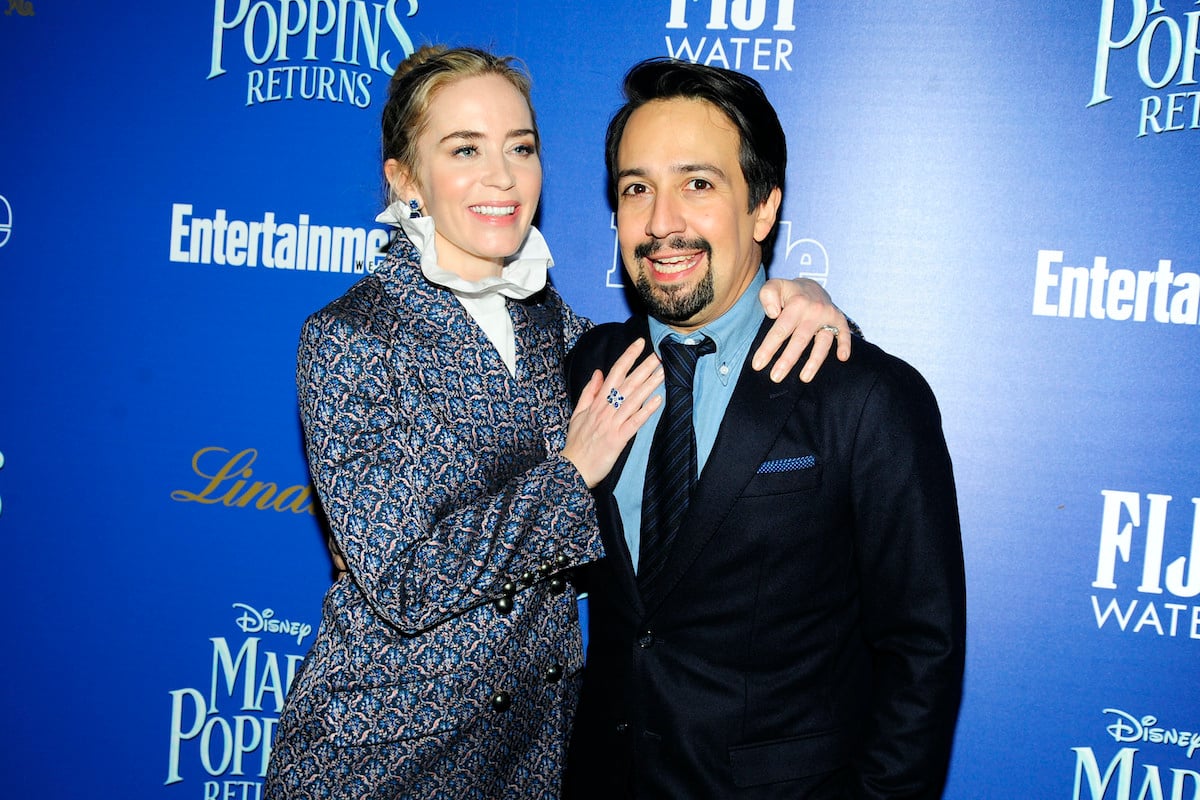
pixel 523 275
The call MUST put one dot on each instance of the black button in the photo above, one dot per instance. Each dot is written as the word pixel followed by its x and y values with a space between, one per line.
pixel 527 577
pixel 646 639
pixel 554 673
pixel 557 584
pixel 501 701
pixel 504 605
pixel 509 588
pixel 622 728
pixel 560 560
pixel 543 570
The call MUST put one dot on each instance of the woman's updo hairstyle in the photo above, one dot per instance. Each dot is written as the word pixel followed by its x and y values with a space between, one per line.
pixel 417 81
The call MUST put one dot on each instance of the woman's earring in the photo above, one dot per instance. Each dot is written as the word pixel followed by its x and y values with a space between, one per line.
pixel 414 205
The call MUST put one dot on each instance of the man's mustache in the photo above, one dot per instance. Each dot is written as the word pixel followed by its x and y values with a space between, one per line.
pixel 652 246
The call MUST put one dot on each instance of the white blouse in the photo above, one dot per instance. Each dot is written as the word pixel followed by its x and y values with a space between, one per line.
pixel 523 274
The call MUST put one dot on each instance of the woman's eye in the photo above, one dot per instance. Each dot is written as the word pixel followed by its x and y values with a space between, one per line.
pixel 525 150
pixel 465 150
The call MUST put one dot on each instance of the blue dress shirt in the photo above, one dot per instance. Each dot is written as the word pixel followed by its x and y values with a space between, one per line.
pixel 716 376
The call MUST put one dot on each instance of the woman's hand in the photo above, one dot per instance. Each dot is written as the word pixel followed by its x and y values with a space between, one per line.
pixel 802 311
pixel 610 411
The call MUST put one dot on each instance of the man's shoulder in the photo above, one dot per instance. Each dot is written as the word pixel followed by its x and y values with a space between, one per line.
pixel 601 345
pixel 876 377
pixel 598 348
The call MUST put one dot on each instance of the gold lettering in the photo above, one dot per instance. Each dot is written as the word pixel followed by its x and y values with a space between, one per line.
pixel 231 468
pixel 228 486
pixel 297 505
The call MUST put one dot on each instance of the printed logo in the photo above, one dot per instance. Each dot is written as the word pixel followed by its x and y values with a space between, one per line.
pixel 1127 520
pixel 357 40
pixel 1161 295
pixel 223 732
pixel 1164 59
pixel 1116 781
pixel 225 480
pixel 252 621
pixel 6 220
pixel 300 246
pixel 737 34
pixel 1128 728
pixel 802 258
pixel 24 8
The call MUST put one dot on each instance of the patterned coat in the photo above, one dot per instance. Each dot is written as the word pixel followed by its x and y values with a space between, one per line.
pixel 448 658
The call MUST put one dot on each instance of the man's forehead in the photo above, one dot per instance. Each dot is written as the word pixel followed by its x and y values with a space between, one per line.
pixel 687 132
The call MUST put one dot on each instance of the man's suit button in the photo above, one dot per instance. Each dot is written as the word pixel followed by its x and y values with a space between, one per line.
pixel 504 605
pixel 646 639
pixel 622 728
pixel 501 701
pixel 554 673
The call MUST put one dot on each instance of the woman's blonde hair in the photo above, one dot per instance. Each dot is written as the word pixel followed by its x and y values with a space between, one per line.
pixel 419 78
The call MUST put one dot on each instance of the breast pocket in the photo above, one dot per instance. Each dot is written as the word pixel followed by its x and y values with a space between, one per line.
pixel 783 475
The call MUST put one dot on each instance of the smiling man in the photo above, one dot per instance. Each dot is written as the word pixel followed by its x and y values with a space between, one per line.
pixel 781 613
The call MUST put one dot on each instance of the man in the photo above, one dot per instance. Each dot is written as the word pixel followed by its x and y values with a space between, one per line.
pixel 799 632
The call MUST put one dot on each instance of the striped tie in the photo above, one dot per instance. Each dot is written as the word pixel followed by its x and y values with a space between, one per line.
pixel 671 470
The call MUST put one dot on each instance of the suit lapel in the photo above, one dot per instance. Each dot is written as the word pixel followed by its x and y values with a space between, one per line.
pixel 757 412
pixel 612 530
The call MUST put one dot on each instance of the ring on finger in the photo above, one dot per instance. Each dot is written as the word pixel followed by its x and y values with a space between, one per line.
pixel 834 329
pixel 615 398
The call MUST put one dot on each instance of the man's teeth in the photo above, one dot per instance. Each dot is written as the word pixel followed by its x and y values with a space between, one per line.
pixel 494 211
pixel 673 264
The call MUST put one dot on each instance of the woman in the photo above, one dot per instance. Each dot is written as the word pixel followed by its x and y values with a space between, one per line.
pixel 453 474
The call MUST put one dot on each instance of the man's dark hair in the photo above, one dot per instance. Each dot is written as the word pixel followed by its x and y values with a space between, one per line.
pixel 763 151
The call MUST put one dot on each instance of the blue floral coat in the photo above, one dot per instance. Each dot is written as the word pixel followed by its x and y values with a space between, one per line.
pixel 448 656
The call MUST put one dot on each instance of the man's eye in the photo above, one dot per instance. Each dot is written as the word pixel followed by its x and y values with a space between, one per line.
pixel 699 184
pixel 634 188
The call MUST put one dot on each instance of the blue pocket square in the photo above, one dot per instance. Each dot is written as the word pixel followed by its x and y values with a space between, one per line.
pixel 787 465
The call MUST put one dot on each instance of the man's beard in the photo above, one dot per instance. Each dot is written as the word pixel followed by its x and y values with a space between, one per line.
pixel 674 303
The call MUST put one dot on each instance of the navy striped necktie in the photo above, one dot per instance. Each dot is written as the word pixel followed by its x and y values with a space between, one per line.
pixel 671 469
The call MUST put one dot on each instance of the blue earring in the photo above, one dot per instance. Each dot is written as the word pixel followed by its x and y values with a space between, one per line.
pixel 414 205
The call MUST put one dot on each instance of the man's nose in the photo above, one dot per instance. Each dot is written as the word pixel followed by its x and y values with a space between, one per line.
pixel 665 217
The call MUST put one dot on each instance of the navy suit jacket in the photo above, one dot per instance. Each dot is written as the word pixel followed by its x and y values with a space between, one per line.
pixel 806 637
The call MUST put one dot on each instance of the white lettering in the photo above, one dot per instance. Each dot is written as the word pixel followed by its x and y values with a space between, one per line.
pixel 303 246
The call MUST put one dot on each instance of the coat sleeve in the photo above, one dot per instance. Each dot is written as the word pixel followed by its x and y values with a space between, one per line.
pixel 913 589
pixel 424 539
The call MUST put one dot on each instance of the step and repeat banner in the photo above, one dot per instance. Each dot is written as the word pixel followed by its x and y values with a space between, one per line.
pixel 1003 195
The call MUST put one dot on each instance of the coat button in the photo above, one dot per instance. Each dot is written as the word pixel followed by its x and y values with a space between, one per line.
pixel 554 673
pixel 646 639
pixel 622 728
pixel 560 561
pixel 504 605
pixel 501 701
pixel 557 584
pixel 509 588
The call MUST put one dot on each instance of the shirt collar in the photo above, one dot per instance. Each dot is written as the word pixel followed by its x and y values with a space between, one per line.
pixel 523 275
pixel 732 332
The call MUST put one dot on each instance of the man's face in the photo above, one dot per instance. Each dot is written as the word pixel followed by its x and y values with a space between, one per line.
pixel 688 242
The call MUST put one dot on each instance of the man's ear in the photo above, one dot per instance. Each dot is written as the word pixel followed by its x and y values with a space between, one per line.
pixel 403 186
pixel 766 214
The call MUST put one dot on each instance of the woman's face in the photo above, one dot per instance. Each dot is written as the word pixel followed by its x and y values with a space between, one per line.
pixel 478 173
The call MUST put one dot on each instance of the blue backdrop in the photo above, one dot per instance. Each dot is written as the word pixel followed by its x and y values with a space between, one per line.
pixel 1005 196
